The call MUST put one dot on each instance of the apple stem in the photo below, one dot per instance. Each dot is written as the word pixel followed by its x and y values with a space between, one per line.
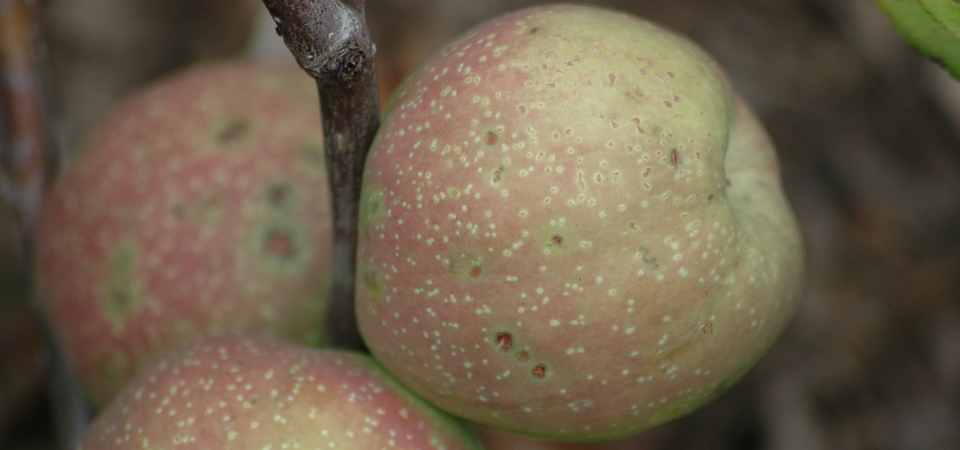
pixel 28 162
pixel 331 42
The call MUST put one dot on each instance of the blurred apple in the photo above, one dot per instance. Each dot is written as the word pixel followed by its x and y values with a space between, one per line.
pixel 199 207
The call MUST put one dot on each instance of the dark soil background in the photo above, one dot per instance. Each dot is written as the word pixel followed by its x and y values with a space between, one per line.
pixel 869 138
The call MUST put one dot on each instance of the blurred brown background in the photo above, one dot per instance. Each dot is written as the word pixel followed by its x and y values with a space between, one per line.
pixel 869 137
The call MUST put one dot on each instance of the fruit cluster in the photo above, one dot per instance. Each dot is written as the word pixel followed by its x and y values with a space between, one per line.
pixel 570 228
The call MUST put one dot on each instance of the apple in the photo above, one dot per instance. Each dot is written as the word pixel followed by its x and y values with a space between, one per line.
pixel 257 393
pixel 199 207
pixel 572 228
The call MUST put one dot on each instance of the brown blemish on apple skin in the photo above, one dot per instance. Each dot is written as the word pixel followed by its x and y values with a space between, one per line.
pixel 504 341
pixel 279 245
pixel 523 356
pixel 706 327
pixel 674 158
pixel 540 371
pixel 491 138
pixel 644 255
pixel 475 272
pixel 279 194
pixel 497 174
pixel 556 240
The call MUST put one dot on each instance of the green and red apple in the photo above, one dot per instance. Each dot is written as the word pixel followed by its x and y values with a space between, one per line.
pixel 573 228
pixel 257 393
pixel 199 207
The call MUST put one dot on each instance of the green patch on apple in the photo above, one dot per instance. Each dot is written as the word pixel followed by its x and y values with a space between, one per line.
pixel 281 195
pixel 230 131
pixel 120 296
pixel 370 281
pixel 372 209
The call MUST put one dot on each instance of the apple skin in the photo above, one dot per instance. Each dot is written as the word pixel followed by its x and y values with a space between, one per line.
pixel 572 228
pixel 234 392
pixel 199 207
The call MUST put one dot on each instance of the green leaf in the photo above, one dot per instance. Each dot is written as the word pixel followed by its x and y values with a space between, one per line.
pixel 944 12
pixel 920 28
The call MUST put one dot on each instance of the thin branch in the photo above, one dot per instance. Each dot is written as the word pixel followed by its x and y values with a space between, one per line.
pixel 331 42
pixel 26 154
pixel 27 166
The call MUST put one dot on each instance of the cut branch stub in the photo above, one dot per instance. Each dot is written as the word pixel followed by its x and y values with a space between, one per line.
pixel 27 156
pixel 329 39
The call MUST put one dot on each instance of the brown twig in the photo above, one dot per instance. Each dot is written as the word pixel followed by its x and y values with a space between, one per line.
pixel 331 41
pixel 26 157
pixel 27 166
